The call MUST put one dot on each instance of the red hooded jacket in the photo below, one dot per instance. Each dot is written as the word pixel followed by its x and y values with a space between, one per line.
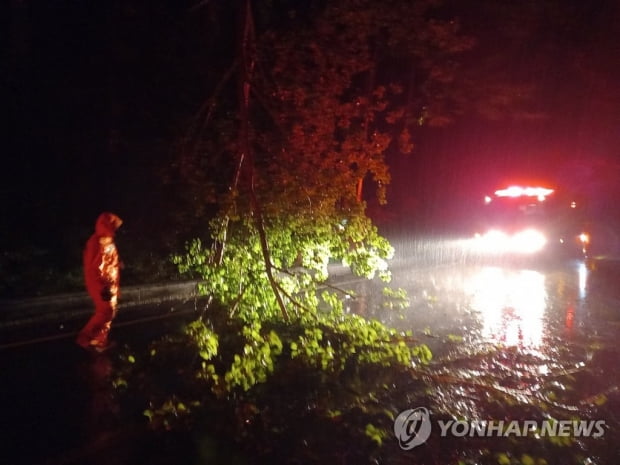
pixel 101 261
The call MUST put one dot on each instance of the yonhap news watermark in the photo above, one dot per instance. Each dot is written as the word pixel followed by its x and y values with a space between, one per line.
pixel 414 426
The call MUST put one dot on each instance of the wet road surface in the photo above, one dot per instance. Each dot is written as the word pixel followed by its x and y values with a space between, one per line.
pixel 59 404
pixel 545 331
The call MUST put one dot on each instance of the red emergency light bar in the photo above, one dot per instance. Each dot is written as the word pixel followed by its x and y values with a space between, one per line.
pixel 517 191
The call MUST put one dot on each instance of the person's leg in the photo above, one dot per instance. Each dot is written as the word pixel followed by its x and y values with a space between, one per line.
pixel 95 333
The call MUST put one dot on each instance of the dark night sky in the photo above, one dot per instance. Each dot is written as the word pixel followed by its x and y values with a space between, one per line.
pixel 99 93
pixel 97 96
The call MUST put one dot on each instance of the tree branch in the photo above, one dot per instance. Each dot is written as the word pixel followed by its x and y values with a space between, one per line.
pixel 209 106
pixel 244 87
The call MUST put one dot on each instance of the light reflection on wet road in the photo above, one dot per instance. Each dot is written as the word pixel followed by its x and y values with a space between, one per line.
pixel 546 333
pixel 524 305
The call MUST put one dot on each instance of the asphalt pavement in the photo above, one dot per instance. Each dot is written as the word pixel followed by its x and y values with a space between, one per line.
pixel 59 408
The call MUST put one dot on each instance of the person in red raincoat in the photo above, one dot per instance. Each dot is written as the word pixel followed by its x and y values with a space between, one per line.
pixel 102 276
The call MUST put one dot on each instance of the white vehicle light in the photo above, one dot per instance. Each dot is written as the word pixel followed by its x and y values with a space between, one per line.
pixel 523 242
pixel 529 241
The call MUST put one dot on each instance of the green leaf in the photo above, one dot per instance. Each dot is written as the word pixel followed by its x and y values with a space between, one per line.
pixel 375 434
pixel 206 355
pixel 503 459
pixel 527 460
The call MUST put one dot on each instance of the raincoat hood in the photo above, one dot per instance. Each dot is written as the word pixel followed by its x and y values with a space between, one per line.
pixel 107 224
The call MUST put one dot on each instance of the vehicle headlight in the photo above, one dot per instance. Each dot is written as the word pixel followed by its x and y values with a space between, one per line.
pixel 528 241
pixel 523 242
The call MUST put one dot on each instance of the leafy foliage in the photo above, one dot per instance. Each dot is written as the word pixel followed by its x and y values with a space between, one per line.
pixel 317 113
pixel 259 381
pixel 316 117
pixel 301 252
pixel 330 90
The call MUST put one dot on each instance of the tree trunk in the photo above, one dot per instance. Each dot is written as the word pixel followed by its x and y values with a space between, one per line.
pixel 245 150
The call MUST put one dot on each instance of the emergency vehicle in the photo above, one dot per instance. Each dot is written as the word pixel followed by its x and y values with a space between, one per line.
pixel 528 220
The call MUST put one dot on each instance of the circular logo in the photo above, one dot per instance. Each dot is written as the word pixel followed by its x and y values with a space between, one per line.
pixel 412 427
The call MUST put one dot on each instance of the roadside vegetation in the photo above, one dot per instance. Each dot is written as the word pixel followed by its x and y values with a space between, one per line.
pixel 276 367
